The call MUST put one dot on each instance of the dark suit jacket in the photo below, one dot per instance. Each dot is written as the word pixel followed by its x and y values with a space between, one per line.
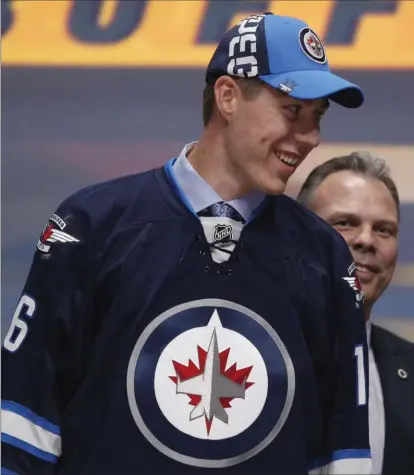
pixel 392 354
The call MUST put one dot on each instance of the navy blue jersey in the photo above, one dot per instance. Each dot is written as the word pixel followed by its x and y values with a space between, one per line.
pixel 132 351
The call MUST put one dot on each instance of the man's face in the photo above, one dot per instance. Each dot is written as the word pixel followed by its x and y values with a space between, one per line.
pixel 269 135
pixel 364 212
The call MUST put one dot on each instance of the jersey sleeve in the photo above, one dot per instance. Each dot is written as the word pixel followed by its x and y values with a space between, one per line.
pixel 39 374
pixel 347 448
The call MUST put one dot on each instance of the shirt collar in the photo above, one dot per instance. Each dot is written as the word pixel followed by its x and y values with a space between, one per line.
pixel 201 195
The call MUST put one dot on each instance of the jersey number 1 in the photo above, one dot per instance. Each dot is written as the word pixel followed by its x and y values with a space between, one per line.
pixel 361 389
pixel 13 341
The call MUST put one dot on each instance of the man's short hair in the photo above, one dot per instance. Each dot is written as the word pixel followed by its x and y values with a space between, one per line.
pixel 361 163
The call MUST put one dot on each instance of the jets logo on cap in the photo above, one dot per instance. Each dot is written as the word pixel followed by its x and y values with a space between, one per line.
pixel 311 45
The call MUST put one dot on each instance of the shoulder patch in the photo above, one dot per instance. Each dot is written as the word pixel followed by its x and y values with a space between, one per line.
pixel 354 283
pixel 53 233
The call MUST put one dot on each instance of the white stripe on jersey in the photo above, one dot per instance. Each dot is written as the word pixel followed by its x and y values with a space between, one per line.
pixel 349 466
pixel 21 428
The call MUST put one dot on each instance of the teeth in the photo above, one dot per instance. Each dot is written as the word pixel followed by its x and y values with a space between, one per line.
pixel 288 160
pixel 363 268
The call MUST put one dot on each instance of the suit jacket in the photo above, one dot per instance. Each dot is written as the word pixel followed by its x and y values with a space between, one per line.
pixel 394 357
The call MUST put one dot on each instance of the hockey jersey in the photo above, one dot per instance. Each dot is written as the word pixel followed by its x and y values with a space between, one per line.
pixel 132 351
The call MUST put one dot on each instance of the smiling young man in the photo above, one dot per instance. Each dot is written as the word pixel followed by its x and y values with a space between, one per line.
pixel 357 196
pixel 193 318
pixel 255 136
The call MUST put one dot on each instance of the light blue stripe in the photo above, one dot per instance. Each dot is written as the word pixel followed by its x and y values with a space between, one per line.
pixel 6 471
pixel 30 416
pixel 168 167
pixel 351 454
pixel 340 455
pixel 41 454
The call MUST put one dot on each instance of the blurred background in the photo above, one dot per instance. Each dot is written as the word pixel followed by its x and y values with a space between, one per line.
pixel 96 89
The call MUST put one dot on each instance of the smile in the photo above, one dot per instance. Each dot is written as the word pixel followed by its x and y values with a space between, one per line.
pixel 288 159
pixel 366 268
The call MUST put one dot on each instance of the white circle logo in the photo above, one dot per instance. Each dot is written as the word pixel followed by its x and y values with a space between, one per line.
pixel 311 45
pixel 210 383
pixel 216 379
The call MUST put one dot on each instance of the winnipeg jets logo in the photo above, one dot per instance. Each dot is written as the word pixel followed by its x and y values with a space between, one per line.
pixel 205 371
pixel 53 233
pixel 220 381
pixel 211 387
pixel 311 45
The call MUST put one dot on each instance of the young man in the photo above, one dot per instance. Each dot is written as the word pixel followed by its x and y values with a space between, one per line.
pixel 192 317
pixel 356 194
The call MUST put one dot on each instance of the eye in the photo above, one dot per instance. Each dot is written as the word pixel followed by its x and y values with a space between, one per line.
pixel 385 231
pixel 294 109
pixel 343 223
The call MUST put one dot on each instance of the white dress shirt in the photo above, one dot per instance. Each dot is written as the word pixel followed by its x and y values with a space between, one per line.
pixel 201 195
pixel 376 411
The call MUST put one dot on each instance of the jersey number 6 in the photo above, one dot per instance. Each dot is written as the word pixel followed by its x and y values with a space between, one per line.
pixel 18 327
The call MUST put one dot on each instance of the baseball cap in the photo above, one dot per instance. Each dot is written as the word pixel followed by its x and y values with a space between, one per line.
pixel 285 53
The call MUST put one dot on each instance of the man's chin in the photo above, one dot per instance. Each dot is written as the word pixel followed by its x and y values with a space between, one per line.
pixel 272 187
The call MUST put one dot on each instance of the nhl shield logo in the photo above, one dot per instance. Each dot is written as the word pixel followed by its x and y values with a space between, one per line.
pixel 223 233
pixel 208 371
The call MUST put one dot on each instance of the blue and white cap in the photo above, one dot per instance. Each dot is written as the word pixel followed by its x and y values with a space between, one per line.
pixel 285 53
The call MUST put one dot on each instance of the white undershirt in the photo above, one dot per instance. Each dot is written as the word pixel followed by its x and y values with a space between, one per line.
pixel 376 411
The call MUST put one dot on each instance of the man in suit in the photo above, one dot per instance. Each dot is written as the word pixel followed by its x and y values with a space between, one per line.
pixel 356 195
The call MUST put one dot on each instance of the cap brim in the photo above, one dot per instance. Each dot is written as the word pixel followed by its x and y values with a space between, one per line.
pixel 316 84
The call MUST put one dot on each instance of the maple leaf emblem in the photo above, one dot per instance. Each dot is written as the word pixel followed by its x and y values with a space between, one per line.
pixel 310 40
pixel 314 44
pixel 210 386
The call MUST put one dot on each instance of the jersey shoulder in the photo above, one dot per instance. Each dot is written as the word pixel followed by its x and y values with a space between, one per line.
pixel 110 200
pixel 120 192
pixel 85 220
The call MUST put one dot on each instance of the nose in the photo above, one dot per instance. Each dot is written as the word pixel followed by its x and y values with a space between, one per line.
pixel 363 239
pixel 308 138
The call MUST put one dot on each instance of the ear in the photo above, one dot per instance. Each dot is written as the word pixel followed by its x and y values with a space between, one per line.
pixel 227 95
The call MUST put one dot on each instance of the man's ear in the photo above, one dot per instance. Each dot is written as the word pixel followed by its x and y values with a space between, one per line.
pixel 227 95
